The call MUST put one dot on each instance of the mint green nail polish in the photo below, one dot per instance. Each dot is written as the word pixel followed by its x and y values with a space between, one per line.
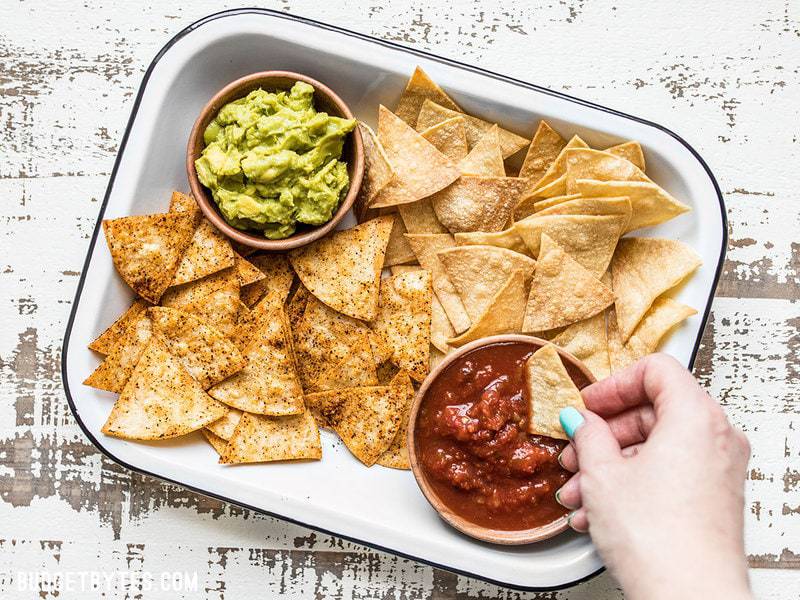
pixel 558 498
pixel 570 420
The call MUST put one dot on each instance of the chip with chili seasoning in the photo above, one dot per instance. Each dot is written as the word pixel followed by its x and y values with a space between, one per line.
pixel 260 438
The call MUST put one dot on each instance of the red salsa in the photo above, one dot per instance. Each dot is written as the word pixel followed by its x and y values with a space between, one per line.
pixel 472 442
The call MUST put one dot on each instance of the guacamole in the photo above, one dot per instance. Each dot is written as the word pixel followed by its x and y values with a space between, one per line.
pixel 272 161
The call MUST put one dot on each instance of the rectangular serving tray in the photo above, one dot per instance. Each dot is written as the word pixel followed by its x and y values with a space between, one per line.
pixel 379 507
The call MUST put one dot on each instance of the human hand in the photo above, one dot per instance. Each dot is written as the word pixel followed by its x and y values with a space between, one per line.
pixel 659 483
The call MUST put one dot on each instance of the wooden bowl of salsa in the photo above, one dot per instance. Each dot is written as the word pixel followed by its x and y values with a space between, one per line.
pixel 469 449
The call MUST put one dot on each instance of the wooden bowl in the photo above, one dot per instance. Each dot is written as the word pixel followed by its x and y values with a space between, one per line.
pixel 580 375
pixel 325 100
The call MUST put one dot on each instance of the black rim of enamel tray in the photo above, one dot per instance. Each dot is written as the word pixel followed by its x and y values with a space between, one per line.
pixel 414 52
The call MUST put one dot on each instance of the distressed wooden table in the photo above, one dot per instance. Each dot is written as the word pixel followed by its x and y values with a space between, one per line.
pixel 723 75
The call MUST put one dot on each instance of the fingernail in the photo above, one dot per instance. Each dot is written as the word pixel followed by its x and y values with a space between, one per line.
pixel 570 420
pixel 558 497
pixel 569 521
pixel 560 462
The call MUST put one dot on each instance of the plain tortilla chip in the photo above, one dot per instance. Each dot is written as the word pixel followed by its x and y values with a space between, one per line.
pixel 449 137
pixel 590 206
pixel 208 252
pixel 275 285
pixel 398 250
pixel 147 249
pixel 113 373
pixel 478 272
pixel 631 151
pixel 396 457
pixel 344 269
pixel 529 204
pixel 486 158
pixel 248 273
pixel 419 88
pixel 265 439
pixel 545 147
pixel 223 428
pixel 161 400
pixel 219 444
pixel 587 341
pixel 558 167
pixel 268 384
pixel 642 270
pixel 204 352
pixel 403 321
pixel 378 171
pixel 508 238
pixel 432 113
pixel 436 358
pixel 112 336
pixel 476 203
pixel 426 246
pixel 550 389
pixel 419 217
pixel 585 163
pixel 562 291
pixel 441 328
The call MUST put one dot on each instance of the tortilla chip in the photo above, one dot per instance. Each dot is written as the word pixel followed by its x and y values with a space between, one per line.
pixel 477 203
pixel 113 373
pixel 208 252
pixel 419 217
pixel 584 205
pixel 223 428
pixel 161 400
pixel 219 444
pixel 398 251
pixel 268 384
pixel 529 205
pixel 396 457
pixel 248 273
pixel 441 328
pixel 275 284
pixel 420 169
pixel 296 305
pixel 449 137
pixel 585 163
pixel 550 389
pixel 432 113
pixel 587 341
pixel 357 369
pixel 219 308
pixel 508 238
pixel 378 171
pixel 202 350
pixel 436 358
pixel 265 439
pixel 403 321
pixel 562 291
pixel 419 88
pixel 147 249
pixel 478 272
pixel 180 202
pixel 426 246
pixel 559 166
pixel 486 158
pixel 344 269
pixel 180 296
pixel 112 336
pixel 642 270
pixel 545 147
pixel 630 151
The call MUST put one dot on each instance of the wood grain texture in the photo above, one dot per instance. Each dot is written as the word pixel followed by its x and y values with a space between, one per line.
pixel 68 75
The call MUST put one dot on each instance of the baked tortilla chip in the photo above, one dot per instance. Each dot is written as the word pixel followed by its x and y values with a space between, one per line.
pixel 587 341
pixel 274 286
pixel 357 369
pixel 530 204
pixel 419 217
pixel 180 202
pixel 550 389
pixel 179 296
pixel 147 249
pixel 208 252
pixel 378 171
pixel 545 147
pixel 449 137
pixel 296 306
pixel 477 203
pixel 344 269
pixel 219 308
pixel 630 151
pixel 642 270
pixel 419 88
pixel 396 457
pixel 219 444
pixel 113 373
pixel 585 163
pixel 441 328
pixel 265 439
pixel 223 428
pixel 558 167
pixel 486 158
pixel 562 291
pixel 508 238
pixel 436 358
pixel 268 384
pixel 161 400
pixel 111 337
pixel 398 250
pixel 248 273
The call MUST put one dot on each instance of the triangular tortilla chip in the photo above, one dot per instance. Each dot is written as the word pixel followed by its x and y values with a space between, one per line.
pixel 112 336
pixel 420 169
pixel 268 384
pixel 147 249
pixel 223 428
pixel 398 251
pixel 642 270
pixel 264 439
pixel 344 270
pixel 419 88
pixel 486 158
pixel 208 252
pixel 296 305
pixel 275 285
pixel 449 137
pixel 477 203
pixel 396 457
pixel 558 167
pixel 502 315
pixel 562 291
pixel 403 321
pixel 441 328
pixel 478 272
pixel 219 444
pixel 204 352
pixel 378 171
pixel 650 204
pixel 246 325
pixel 585 163
pixel 631 151
pixel 179 296
pixel 419 217
pixel 529 204
pixel 248 273
pixel 357 369
pixel 161 400
pixel 113 373
pixel 180 202
pixel 426 246
pixel 220 308
pixel 545 147
pixel 550 389
pixel 432 113
pixel 508 238
pixel 436 358
pixel 587 341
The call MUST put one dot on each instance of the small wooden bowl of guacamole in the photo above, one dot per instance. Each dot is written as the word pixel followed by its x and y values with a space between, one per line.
pixel 275 160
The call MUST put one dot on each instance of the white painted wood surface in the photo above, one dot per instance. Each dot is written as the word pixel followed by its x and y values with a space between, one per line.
pixel 722 75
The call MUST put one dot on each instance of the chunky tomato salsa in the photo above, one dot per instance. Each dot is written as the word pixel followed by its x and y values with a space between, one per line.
pixel 473 446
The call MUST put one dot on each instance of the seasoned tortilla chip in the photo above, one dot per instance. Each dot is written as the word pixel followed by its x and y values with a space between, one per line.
pixel 587 341
pixel 550 389
pixel 477 203
pixel 248 273
pixel 246 324
pixel 432 113
pixel 161 400
pixel 545 147
pixel 562 291
pixel 180 202
pixel 378 171
pixel 419 217
pixel 268 384
pixel 111 337
pixel 147 249
pixel 260 438
pixel 398 250
pixel 223 428
pixel 449 137
pixel 585 163
pixel 357 369
pixel 344 270
pixel 220 309
pixel 426 246
pixel 396 457
pixel 508 238
pixel 403 321
pixel 502 315
pixel 631 151
pixel 208 252
pixel 275 285
pixel 559 166
pixel 419 88
pixel 642 270
pixel 296 305
pixel 486 158
pixel 202 350
pixel 219 444
pixel 478 272
pixel 180 296
pixel 113 373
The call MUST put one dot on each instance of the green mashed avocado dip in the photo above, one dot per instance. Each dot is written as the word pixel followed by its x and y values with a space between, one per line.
pixel 272 161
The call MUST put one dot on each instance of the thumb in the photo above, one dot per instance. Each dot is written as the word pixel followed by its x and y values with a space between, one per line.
pixel 594 442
